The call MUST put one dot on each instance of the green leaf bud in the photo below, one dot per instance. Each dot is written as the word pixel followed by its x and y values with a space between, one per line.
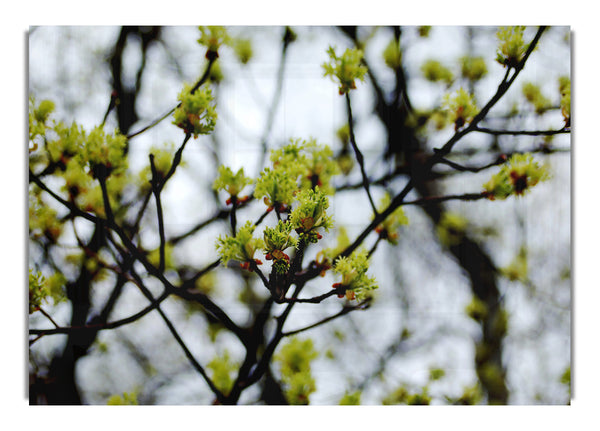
pixel 353 270
pixel 310 214
pixel 512 47
pixel 196 113
pixel 517 176
pixel 230 182
pixel 473 68
pixel 388 229
pixel 434 71
pixel 534 96
pixel 345 69
pixel 276 240
pixel 212 37
pixel 461 107
pixel 241 247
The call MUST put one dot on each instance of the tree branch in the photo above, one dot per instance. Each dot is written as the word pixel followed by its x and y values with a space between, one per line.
pixel 347 309
pixel 359 157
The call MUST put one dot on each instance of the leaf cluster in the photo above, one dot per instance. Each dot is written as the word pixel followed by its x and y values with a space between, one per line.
pixel 345 69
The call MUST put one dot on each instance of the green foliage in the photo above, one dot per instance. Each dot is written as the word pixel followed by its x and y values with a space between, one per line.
pixel 43 221
pixel 290 158
pixel 294 360
pixel 105 152
pixel 350 399
pixel 477 309
pixel 230 182
pixel 37 290
pixel 460 107
pixel 68 143
pixel 398 396
pixel 565 379
pixel 471 396
pixel 222 371
pixel 436 374
pixel 99 153
pixel 402 395
pixel 310 215
pixel 392 54
pixel 491 376
pixel 353 270
pixel 319 167
pixel 434 71
pixel 240 247
pixel 38 119
pixel 473 68
pixel 517 176
pixel 243 50
pixel 517 270
pixel 42 288
pixel 307 163
pixel 154 257
pixel 126 399
pixel 388 229
pixel 564 87
pixel 163 159
pixel 451 228
pixel 534 95
pixel 345 69
pixel 92 200
pixel 212 37
pixel 512 46
pixel 424 30
pixel 196 113
pixel 276 240
pixel 500 323
pixel 279 238
pixel 276 187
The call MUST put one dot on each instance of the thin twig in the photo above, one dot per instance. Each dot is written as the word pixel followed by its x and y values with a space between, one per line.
pixel 359 157
pixel 316 299
pixel 161 226
pixel 347 309
pixel 193 90
pixel 103 326
pixel 522 132
pixel 48 317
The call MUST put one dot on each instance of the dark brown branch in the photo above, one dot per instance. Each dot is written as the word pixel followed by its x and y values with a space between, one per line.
pixel 359 157
pixel 219 215
pixel 316 299
pixel 48 317
pixel 178 338
pixel 522 132
pixel 428 200
pixel 156 188
pixel 204 300
pixel 102 326
pixel 347 309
